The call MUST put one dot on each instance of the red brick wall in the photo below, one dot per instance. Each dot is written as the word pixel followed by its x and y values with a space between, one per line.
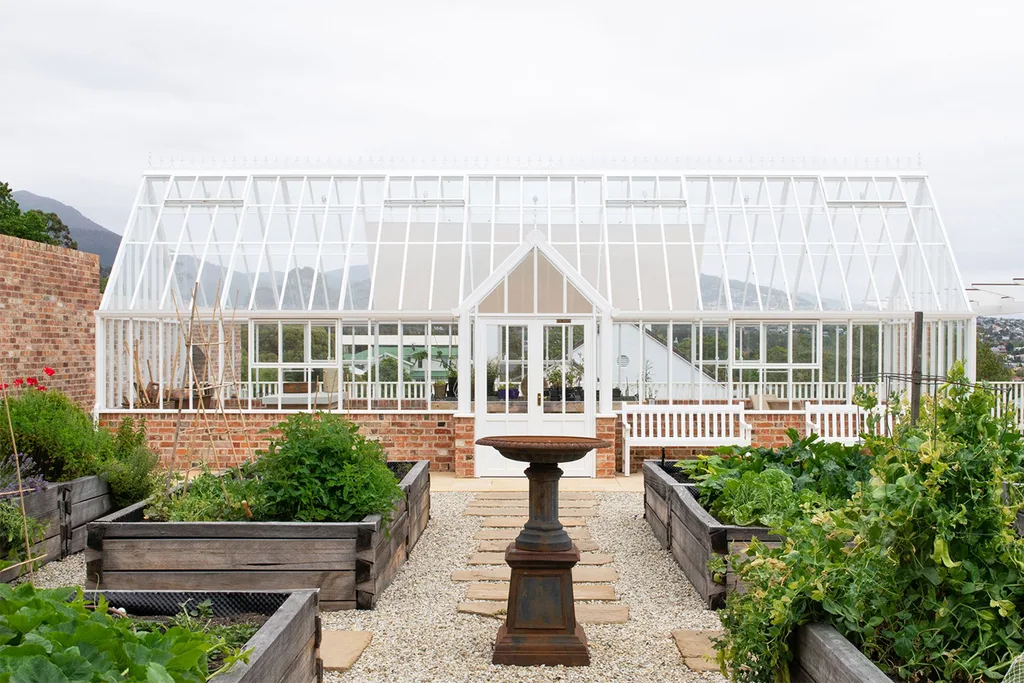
pixel 48 296
pixel 606 465
pixel 465 449
pixel 222 444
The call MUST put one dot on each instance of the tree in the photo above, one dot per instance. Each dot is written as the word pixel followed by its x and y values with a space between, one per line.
pixel 32 225
pixel 991 367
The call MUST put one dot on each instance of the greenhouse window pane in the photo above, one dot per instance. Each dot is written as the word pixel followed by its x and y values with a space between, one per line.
pixel 418 267
pixel 588 191
pixel 446 277
pixel 653 285
pixel 625 295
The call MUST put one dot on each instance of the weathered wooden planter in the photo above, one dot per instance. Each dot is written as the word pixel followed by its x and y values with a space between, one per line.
pixel 822 655
pixel 65 508
pixel 286 649
pixel 692 534
pixel 351 562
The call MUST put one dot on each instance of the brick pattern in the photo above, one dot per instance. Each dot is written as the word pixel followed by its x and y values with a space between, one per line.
pixel 464 447
pixel 48 296
pixel 221 442
pixel 606 464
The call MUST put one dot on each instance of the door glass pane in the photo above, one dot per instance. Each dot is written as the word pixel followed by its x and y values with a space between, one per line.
pixel 505 383
pixel 563 346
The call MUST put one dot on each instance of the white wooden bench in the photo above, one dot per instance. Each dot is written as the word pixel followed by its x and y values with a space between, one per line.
pixel 683 424
pixel 844 423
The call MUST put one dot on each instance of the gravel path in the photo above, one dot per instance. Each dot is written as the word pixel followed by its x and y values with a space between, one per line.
pixel 418 635
pixel 67 572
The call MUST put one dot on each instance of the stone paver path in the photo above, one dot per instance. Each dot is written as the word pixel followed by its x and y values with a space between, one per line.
pixel 502 515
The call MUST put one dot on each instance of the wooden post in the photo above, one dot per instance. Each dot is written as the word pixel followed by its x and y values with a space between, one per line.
pixel 915 373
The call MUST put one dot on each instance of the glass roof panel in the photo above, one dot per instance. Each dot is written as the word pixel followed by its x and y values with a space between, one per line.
pixel 422 242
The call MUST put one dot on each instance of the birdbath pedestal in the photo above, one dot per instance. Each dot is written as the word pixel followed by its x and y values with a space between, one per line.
pixel 540 626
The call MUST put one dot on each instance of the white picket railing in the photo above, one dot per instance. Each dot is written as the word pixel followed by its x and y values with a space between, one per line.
pixel 353 391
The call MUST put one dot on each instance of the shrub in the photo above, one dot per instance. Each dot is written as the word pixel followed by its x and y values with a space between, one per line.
pixel 323 469
pixel 53 431
pixel 921 569
pixel 319 470
pixel 129 464
pixel 12 533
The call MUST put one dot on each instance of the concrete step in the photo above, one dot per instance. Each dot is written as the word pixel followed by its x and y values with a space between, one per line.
pixel 579 574
pixel 577 533
pixel 499 558
pixel 499 591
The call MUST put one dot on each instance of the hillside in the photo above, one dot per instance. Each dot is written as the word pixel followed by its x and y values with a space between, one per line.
pixel 91 236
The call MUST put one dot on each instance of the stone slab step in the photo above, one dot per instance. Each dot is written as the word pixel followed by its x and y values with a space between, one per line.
pixel 475 511
pixel 696 648
pixel 500 545
pixel 499 558
pixel 579 574
pixel 499 591
pixel 518 522
pixel 607 613
pixel 576 533
pixel 524 495
pixel 339 650
pixel 562 503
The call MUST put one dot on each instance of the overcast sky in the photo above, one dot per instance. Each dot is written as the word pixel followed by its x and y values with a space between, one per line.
pixel 92 89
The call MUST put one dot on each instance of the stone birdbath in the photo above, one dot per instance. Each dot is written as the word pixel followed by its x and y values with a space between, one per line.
pixel 540 626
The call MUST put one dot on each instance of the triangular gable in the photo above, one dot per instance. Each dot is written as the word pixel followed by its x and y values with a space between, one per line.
pixel 534 240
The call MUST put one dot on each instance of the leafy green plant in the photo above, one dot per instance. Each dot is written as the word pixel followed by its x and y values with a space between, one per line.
pixel 921 569
pixel 322 469
pixel 53 431
pixel 56 635
pixel 226 498
pixel 12 533
pixel 130 465
pixel 757 485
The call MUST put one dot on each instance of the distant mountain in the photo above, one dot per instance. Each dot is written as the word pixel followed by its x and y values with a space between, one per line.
pixel 91 236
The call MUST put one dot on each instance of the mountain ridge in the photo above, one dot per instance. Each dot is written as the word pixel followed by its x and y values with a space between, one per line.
pixel 90 235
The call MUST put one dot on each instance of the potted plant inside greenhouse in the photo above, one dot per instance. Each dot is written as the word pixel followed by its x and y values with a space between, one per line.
pixel 321 507
pixel 69 472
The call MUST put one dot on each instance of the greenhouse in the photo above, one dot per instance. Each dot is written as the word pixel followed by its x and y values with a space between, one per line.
pixel 523 301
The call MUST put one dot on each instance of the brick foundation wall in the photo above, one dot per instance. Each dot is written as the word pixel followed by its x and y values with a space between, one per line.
pixel 48 296
pixel 606 464
pixel 224 444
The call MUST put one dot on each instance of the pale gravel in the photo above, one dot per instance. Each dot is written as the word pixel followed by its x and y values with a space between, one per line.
pixel 67 572
pixel 419 636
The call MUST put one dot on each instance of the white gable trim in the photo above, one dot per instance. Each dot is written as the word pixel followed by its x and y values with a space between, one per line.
pixel 535 240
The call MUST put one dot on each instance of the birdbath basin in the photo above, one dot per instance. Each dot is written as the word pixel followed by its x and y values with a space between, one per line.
pixel 543 532
pixel 541 627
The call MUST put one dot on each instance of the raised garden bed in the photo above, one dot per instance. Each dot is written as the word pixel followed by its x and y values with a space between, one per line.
pixel 350 562
pixel 823 655
pixel 286 649
pixel 65 508
pixel 692 534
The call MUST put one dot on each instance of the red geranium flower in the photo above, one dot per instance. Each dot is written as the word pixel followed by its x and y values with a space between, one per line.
pixel 41 388
pixel 32 381
pixel 49 371
pixel 18 382
pixel 3 387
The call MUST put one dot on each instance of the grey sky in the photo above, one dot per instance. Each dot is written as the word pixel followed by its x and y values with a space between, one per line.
pixel 90 90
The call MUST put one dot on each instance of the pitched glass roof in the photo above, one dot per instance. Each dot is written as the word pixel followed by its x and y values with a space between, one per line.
pixel 421 243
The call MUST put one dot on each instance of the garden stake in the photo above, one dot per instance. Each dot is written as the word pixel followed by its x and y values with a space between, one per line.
pixel 21 491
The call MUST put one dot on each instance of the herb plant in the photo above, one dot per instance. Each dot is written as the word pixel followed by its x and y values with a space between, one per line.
pixel 320 469
pixel 55 635
pixel 12 533
pixel 921 569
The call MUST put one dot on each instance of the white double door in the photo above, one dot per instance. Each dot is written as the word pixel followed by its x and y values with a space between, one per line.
pixel 534 377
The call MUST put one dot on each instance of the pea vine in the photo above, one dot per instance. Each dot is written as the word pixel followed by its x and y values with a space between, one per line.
pixel 920 568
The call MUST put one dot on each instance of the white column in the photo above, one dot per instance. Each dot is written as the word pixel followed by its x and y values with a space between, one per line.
pixel 465 367
pixel 607 363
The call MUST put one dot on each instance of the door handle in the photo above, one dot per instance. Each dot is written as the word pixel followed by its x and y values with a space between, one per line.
pixel 538 399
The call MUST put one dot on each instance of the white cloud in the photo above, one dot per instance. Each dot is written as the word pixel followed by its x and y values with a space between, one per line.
pixel 91 89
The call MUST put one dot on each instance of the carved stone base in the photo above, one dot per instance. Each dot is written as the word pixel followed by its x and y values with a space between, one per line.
pixel 541 626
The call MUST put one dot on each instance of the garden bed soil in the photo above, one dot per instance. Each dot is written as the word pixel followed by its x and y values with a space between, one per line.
pixel 286 649
pixel 822 655
pixel 691 533
pixel 65 508
pixel 350 562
